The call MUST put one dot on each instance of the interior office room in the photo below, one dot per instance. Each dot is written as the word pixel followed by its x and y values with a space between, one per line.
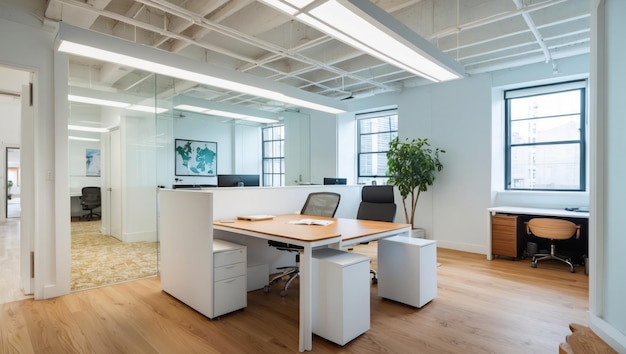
pixel 42 114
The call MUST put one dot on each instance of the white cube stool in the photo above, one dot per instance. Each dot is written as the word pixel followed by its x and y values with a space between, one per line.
pixel 407 270
pixel 341 295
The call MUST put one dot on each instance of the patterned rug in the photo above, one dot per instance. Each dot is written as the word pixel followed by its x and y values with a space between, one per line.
pixel 99 259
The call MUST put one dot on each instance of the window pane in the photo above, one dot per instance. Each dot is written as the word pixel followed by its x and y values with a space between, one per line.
pixel 546 167
pixel 373 165
pixel 273 155
pixel 559 103
pixel 545 129
pixel 375 142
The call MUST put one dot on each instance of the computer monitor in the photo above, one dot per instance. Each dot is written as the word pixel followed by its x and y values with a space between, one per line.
pixel 333 180
pixel 238 180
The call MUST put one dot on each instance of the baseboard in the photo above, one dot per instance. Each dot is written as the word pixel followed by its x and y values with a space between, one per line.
pixel 608 333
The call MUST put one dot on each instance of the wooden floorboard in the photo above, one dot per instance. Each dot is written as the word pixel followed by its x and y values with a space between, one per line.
pixel 498 306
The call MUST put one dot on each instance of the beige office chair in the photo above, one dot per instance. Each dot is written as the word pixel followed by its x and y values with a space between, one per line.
pixel 317 204
pixel 554 230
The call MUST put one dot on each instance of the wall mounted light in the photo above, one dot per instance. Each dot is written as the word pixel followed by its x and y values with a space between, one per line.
pixel 101 47
pixel 368 28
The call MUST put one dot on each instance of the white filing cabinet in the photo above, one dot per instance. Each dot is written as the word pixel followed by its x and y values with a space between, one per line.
pixel 229 277
pixel 341 295
pixel 407 270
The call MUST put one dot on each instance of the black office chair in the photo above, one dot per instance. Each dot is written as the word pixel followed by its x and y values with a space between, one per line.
pixel 317 204
pixel 377 203
pixel 90 200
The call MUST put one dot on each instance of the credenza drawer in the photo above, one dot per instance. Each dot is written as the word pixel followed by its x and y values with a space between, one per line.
pixel 229 271
pixel 504 240
pixel 229 257
pixel 229 295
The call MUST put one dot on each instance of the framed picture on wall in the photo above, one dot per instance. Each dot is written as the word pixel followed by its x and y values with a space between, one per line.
pixel 92 161
pixel 195 158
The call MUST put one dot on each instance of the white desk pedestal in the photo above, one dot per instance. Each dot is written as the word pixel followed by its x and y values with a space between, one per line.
pixel 341 295
pixel 407 270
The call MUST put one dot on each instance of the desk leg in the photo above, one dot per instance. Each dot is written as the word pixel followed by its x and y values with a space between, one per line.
pixel 306 319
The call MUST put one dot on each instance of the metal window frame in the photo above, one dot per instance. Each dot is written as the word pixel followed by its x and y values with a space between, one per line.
pixel 372 115
pixel 272 174
pixel 578 85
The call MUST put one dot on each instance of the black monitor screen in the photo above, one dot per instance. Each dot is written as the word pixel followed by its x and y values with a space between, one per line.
pixel 332 180
pixel 237 180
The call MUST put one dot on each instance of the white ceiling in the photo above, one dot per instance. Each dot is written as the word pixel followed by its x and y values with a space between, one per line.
pixel 250 37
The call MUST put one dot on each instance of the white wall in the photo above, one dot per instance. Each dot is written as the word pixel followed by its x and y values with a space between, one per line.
pixel 324 145
pixel 18 25
pixel 608 244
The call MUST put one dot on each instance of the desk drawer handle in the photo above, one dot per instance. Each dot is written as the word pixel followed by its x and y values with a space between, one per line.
pixel 229 280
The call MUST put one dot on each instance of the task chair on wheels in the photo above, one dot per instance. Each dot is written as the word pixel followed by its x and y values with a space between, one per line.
pixel 317 204
pixel 90 200
pixel 554 230
pixel 377 203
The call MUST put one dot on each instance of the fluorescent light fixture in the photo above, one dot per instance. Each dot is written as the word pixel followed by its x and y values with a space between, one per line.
pixel 81 138
pixel 193 104
pixel 366 27
pixel 149 109
pixel 96 101
pixel 81 128
pixel 101 47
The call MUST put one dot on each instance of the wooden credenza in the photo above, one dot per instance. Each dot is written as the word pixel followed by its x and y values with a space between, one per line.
pixel 504 235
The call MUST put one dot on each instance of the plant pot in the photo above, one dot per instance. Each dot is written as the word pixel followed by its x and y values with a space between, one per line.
pixel 418 233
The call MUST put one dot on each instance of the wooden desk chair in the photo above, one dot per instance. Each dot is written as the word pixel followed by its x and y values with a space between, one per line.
pixel 554 230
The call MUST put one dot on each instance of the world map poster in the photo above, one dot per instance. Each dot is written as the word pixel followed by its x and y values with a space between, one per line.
pixel 195 158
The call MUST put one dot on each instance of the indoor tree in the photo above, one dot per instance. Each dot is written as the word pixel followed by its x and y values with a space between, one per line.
pixel 411 166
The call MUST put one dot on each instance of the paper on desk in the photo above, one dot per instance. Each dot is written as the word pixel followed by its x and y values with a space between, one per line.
pixel 311 222
pixel 255 217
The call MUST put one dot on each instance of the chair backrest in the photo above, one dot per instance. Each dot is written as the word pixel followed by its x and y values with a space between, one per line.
pixel 377 203
pixel 554 229
pixel 321 204
pixel 90 196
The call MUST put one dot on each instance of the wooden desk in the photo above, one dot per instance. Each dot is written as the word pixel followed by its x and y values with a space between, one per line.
pixel 510 248
pixel 342 232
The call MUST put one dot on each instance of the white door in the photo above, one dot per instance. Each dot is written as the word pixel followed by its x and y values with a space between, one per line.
pixel 115 191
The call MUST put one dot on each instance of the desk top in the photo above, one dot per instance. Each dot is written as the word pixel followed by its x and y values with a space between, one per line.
pixel 279 226
pixel 539 211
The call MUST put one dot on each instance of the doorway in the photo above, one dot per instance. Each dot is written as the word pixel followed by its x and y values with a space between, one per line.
pixel 12 173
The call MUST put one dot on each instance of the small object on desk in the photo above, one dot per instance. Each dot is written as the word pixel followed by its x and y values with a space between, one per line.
pixel 579 209
pixel 255 217
pixel 311 222
pixel 227 220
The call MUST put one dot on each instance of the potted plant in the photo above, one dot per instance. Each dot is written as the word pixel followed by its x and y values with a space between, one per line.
pixel 411 166
pixel 9 185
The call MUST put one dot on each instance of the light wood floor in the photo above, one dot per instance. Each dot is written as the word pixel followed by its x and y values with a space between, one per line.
pixel 482 306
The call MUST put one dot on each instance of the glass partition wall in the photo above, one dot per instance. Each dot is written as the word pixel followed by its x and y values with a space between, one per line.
pixel 119 131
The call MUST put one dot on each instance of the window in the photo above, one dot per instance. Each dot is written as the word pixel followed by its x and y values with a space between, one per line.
pixel 375 131
pixel 274 156
pixel 545 138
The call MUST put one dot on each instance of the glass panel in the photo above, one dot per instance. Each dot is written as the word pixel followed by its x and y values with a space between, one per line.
pixel 137 127
pixel 545 129
pixel 554 166
pixel 560 103
pixel 373 164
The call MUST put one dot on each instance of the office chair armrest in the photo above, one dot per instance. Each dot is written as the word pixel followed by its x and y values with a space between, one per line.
pixel 577 231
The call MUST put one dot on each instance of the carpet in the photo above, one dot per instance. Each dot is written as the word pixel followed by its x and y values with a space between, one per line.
pixel 99 259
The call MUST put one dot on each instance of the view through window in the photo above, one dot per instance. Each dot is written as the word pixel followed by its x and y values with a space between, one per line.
pixel 274 156
pixel 545 137
pixel 375 131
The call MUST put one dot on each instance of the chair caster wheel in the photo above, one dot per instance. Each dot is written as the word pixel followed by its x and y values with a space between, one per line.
pixel 283 293
pixel 533 265
pixel 572 270
pixel 374 280
pixel 266 289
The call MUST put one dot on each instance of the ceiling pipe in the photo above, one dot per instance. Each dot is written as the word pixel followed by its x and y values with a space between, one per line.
pixel 533 28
